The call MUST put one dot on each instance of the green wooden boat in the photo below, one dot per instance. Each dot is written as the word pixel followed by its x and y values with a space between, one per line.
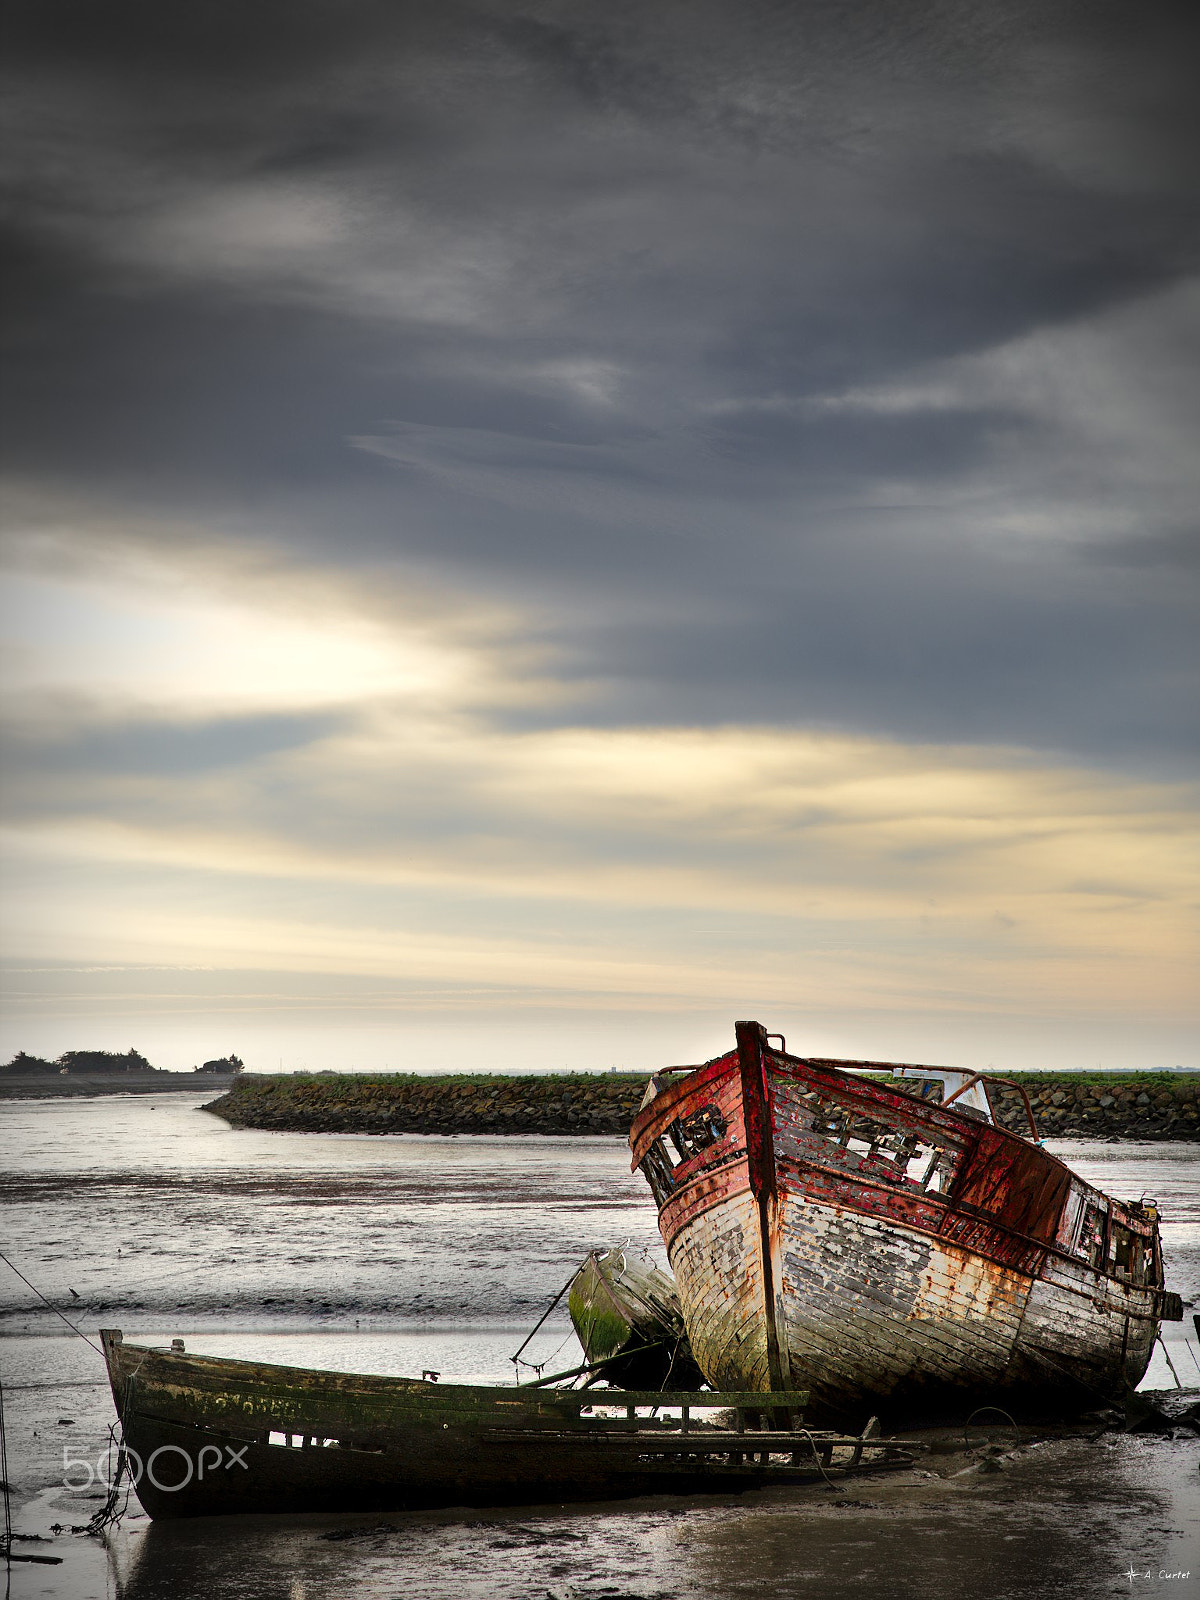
pixel 629 1321
pixel 206 1436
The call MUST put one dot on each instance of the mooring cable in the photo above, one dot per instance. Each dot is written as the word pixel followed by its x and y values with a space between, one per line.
pixel 8 1535
pixel 51 1304
pixel 516 1359
pixel 108 1512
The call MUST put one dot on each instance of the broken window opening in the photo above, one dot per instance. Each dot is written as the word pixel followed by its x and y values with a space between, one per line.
pixel 1091 1236
pixel 932 1090
pixel 659 1171
pixel 1150 1273
pixel 886 1152
pixel 690 1135
pixel 1130 1255
pixel 924 1168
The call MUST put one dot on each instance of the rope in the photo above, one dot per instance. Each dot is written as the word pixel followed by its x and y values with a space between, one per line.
pixel 1162 1344
pixel 109 1512
pixel 52 1306
pixel 817 1458
pixel 516 1359
pixel 7 1491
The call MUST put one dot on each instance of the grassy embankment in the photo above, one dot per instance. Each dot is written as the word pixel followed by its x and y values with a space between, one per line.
pixel 1135 1105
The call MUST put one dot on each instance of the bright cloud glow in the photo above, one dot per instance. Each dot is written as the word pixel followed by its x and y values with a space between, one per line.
pixel 419 843
pixel 206 653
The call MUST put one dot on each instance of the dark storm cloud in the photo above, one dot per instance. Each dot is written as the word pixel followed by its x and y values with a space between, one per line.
pixel 673 320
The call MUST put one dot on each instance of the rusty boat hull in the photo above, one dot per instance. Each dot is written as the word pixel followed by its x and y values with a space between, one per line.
pixel 205 1436
pixel 889 1253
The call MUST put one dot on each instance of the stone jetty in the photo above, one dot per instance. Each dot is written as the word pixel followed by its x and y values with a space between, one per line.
pixel 1136 1105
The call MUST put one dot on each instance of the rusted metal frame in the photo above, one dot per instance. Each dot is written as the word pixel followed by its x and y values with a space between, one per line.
pixel 760 1160
pixel 915 1116
pixel 1009 1083
pixel 903 1107
pixel 976 1077
pixel 931 1114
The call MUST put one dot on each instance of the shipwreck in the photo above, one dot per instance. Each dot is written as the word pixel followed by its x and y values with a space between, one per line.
pixel 627 1318
pixel 209 1436
pixel 850 1242
pixel 888 1246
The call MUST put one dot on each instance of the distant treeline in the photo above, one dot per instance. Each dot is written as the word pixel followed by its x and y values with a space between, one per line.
pixel 106 1061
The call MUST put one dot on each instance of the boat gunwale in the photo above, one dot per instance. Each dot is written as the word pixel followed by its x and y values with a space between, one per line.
pixel 653 1120
pixel 521 1394
pixel 669 1096
pixel 959 1123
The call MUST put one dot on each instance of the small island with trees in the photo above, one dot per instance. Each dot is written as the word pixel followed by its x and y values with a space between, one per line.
pixel 97 1072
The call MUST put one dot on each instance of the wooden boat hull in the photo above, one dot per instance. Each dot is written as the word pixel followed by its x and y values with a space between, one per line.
pixel 803 1260
pixel 629 1323
pixel 210 1437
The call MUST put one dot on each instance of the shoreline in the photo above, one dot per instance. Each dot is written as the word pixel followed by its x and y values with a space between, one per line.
pixel 94 1085
pixel 1134 1106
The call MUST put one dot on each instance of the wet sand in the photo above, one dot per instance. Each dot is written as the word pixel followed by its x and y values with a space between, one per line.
pixel 1068 1517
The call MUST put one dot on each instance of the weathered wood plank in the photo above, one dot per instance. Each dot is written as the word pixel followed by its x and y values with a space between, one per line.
pixel 911 1253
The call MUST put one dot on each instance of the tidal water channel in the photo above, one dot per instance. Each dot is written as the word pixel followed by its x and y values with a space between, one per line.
pixel 398 1254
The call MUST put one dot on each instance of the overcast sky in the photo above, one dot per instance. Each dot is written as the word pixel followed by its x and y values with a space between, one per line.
pixel 538 529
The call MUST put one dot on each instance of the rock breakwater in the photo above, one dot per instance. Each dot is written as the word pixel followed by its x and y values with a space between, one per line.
pixel 1137 1105
pixel 1150 1105
pixel 346 1103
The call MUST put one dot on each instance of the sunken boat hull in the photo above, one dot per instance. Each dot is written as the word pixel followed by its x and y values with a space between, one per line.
pixel 627 1318
pixel 215 1437
pixel 887 1253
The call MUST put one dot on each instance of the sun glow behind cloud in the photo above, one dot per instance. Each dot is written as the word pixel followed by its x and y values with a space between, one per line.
pixel 170 643
pixel 360 808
